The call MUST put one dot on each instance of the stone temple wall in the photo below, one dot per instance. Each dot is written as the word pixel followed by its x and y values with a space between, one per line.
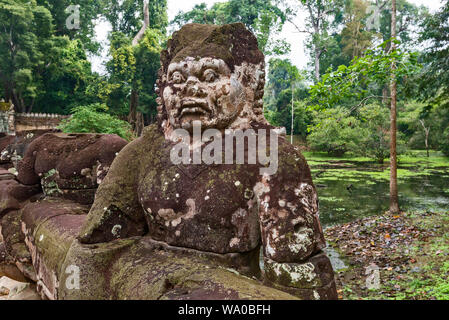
pixel 37 121
pixel 11 122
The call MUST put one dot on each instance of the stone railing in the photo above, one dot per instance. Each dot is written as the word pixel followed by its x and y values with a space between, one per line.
pixel 37 121
pixel 11 122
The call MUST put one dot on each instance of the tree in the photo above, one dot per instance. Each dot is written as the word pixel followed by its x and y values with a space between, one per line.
pixel 281 115
pixel 65 79
pixel 264 18
pixel 128 16
pixel 317 26
pixel 94 119
pixel 89 11
pixel 355 39
pixel 365 132
pixel 375 133
pixel 362 81
pixel 434 79
pixel 417 121
pixel 335 132
pixel 39 70
pixel 283 87
pixel 25 38
pixel 408 16
pixel 394 197
pixel 135 50
pixel 277 81
pixel 133 72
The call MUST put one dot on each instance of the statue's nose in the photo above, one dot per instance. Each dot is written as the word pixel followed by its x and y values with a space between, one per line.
pixel 194 87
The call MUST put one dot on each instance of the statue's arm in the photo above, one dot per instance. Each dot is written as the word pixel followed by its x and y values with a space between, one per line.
pixel 116 211
pixel 25 168
pixel 290 226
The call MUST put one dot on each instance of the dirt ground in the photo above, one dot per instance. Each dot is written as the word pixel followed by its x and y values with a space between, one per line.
pixel 408 254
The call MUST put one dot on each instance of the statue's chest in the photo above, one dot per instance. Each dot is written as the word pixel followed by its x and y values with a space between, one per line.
pixel 206 207
pixel 221 189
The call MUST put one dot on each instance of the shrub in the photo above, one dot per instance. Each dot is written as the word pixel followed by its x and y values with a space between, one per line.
pixel 367 135
pixel 93 119
pixel 336 132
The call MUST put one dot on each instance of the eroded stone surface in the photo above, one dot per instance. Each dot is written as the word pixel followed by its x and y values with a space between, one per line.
pixel 159 230
pixel 219 208
pixel 69 165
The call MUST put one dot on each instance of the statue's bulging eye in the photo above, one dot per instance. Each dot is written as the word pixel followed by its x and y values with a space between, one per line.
pixel 177 77
pixel 210 75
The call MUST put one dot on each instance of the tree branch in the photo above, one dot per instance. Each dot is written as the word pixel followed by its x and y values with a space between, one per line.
pixel 146 23
pixel 364 100
pixel 298 28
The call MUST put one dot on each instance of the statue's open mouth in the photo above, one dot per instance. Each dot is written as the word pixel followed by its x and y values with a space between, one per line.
pixel 194 107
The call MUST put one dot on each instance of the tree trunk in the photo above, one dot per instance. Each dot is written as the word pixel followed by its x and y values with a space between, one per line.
pixel 18 103
pixel 134 102
pixel 146 23
pixel 291 129
pixel 386 95
pixel 426 132
pixel 317 64
pixel 140 123
pixel 394 198
pixel 136 118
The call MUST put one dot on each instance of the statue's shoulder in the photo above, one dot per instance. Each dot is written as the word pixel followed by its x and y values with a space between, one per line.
pixel 150 138
pixel 292 162
pixel 147 145
pixel 151 131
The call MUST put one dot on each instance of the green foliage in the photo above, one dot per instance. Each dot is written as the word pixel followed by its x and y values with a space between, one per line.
pixel 282 75
pixel 319 17
pixel 374 141
pixel 133 68
pixel 126 16
pixel 40 71
pixel 433 81
pixel 364 77
pixel 366 134
pixel 335 133
pixel 23 49
pixel 65 80
pixel 89 11
pixel 445 142
pixel 302 116
pixel 355 39
pixel 94 119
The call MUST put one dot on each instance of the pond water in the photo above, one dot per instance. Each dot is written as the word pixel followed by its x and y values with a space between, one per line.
pixel 351 188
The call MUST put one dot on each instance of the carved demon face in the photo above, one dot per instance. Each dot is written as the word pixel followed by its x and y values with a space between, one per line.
pixel 202 89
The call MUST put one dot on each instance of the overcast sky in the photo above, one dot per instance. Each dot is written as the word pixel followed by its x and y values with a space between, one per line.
pixel 298 55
